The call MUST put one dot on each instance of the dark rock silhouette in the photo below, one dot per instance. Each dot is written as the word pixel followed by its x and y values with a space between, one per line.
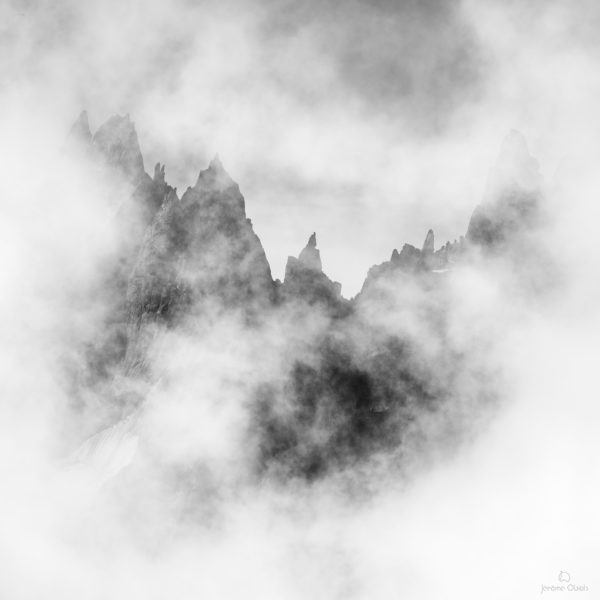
pixel 305 281
pixel 355 388
pixel 428 244
pixel 200 255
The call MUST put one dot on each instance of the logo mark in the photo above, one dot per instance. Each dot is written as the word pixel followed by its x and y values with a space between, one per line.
pixel 564 577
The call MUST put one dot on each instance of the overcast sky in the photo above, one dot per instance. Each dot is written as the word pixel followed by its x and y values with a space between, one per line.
pixel 383 116
pixel 369 123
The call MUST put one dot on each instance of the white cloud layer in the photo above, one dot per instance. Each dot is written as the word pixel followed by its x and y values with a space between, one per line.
pixel 497 517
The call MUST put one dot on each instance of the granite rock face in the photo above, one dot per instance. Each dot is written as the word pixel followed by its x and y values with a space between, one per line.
pixel 200 255
pixel 224 257
pixel 353 398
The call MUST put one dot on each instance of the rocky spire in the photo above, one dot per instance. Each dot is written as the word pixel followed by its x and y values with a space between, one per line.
pixel 304 280
pixel 428 245
pixel 159 173
pixel 117 142
pixel 310 257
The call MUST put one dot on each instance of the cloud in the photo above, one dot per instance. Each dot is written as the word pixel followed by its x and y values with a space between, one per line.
pixel 369 122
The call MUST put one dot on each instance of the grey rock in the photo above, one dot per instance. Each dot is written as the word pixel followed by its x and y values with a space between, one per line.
pixel 428 244
pixel 117 142
pixel 199 255
pixel 512 201
pixel 305 281
pixel 80 130
pixel 310 257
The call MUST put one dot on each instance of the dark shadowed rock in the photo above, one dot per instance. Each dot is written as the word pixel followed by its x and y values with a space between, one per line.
pixel 200 254
pixel 146 200
pixel 159 174
pixel 224 257
pixel 343 406
pixel 115 154
pixel 408 259
pixel 360 380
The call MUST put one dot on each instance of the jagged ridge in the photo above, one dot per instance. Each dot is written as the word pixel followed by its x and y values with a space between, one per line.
pixel 198 256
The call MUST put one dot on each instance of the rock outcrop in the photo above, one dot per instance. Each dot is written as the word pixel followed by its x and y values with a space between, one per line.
pixel 305 281
pixel 428 244
pixel 80 133
pixel 200 256
pixel 355 386
pixel 310 257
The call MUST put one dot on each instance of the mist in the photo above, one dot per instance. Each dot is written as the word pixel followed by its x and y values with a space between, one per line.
pixel 170 472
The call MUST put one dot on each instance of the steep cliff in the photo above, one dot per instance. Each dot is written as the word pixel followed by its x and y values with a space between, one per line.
pixel 200 257
pixel 305 281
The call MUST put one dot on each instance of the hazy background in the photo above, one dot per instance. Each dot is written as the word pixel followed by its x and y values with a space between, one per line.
pixel 367 122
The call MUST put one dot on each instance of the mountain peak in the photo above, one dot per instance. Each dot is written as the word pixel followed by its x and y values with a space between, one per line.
pixel 118 142
pixel 214 177
pixel 159 173
pixel 429 243
pixel 310 256
pixel 216 164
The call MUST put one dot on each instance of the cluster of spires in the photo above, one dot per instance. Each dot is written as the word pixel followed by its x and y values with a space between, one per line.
pixel 187 257
pixel 117 142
